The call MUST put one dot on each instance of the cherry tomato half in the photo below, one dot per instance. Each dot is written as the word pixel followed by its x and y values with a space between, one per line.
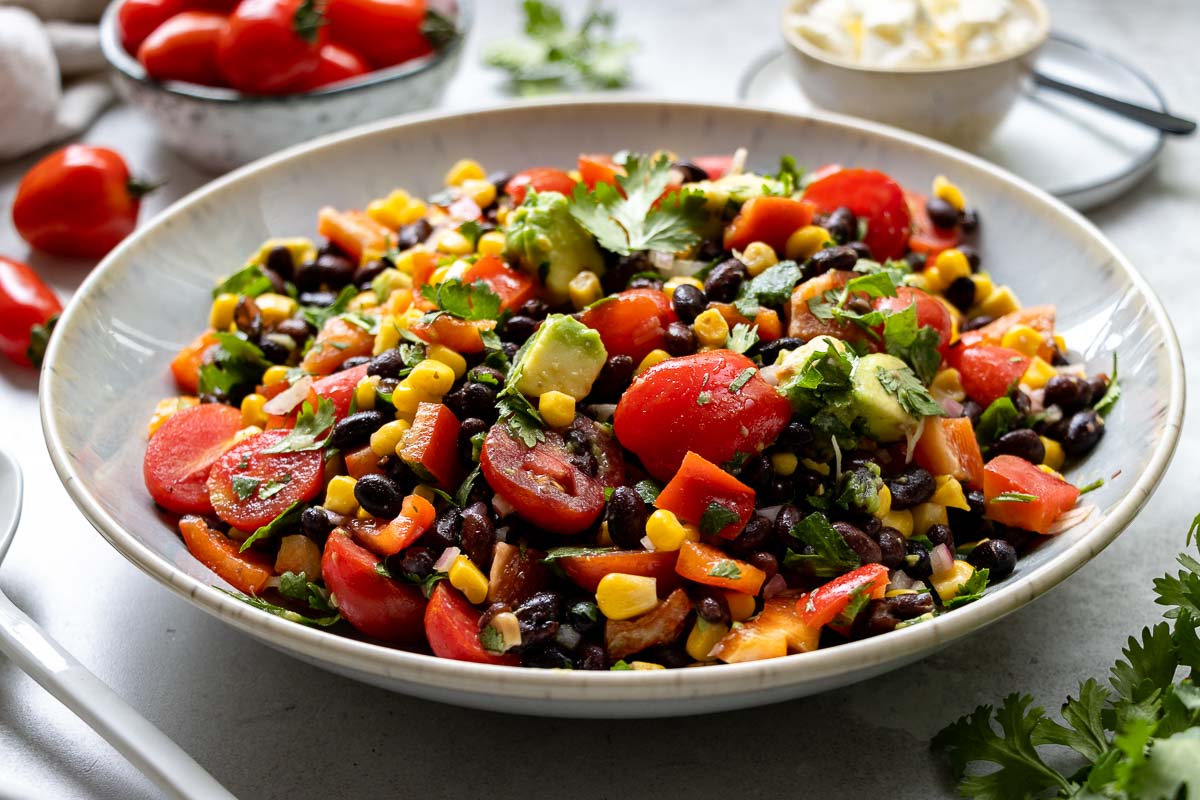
pixel 249 487
pixel 374 604
pixel 137 19
pixel 384 32
pixel 930 312
pixel 452 628
pixel 184 48
pixel 631 323
pixel 541 179
pixel 181 453
pixel 336 63
pixel 28 310
pixel 875 199
pixel 270 46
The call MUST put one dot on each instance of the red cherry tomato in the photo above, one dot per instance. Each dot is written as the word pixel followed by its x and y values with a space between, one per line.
pixel 927 237
pixel 28 311
pixel 336 63
pixel 540 482
pixel 78 201
pixel 452 628
pixel 822 605
pixel 631 323
pixel 1051 495
pixel 137 19
pixel 376 605
pixel 338 388
pixel 184 48
pixel 249 487
pixel 541 179
pixel 598 168
pixel 688 404
pixel 715 166
pixel 270 46
pixel 930 312
pixel 875 199
pixel 988 372
pixel 384 32
pixel 181 453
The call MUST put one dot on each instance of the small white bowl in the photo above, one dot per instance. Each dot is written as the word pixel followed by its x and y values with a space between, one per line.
pixel 218 129
pixel 961 103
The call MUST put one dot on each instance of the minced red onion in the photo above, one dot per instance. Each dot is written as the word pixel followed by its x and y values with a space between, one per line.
pixel 602 412
pixel 289 398
pixel 646 543
pixel 941 559
pixel 901 580
pixel 774 586
pixel 913 438
pixel 1037 401
pixel 953 407
pixel 1070 519
pixel 770 512
pixel 770 374
pixel 502 506
pixel 446 559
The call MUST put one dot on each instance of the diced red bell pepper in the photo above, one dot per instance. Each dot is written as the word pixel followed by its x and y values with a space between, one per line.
pixel 513 287
pixel 353 231
pixel 431 446
pixel 337 341
pixel 247 572
pixel 597 168
pixel 388 538
pixel 587 571
pixel 822 605
pixel 768 219
pixel 362 461
pixel 926 237
pixel 712 567
pixel 452 628
pixel 988 372
pixel 948 447
pixel 1051 496
pixel 699 484
pixel 185 367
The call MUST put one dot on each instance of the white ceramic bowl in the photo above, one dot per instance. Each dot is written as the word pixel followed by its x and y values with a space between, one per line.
pixel 960 104
pixel 107 367
pixel 218 129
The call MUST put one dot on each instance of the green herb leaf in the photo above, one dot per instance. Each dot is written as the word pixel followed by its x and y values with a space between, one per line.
pixel 464 488
pixel 280 611
pixel 491 640
pixel 648 490
pixel 772 287
pixel 244 486
pixel 307 20
pixel 471 302
pixel 311 430
pixel 1091 487
pixel 522 419
pixel 790 176
pixel 996 420
pixel 716 518
pixel 620 665
pixel 915 344
pixel 249 281
pixel 555 553
pixel 288 519
pixel 1111 395
pixel 1014 497
pixel 274 486
pixel 912 395
pixel 742 379
pixel 742 337
pixel 317 316
pixel 860 489
pixel 859 598
pixel 725 568
pixel 831 555
pixel 969 590
pixel 299 588
pixel 237 365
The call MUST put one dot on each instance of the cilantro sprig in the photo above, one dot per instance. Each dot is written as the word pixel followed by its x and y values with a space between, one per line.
pixel 469 301
pixel 909 392
pixel 311 430
pixel 830 555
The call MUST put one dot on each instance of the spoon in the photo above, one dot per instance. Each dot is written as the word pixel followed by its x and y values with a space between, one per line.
pixel 58 672
pixel 1167 123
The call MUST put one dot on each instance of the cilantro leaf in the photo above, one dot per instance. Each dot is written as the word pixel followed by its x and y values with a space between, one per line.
pixel 1014 497
pixel 299 588
pixel 1170 769
pixel 522 419
pixel 317 316
pixel 1149 664
pixel 915 344
pixel 790 176
pixel 725 568
pixel 491 640
pixel 274 486
pixel 716 518
pixel 466 301
pixel 831 554
pixel 860 489
pixel 250 281
pixel 555 553
pixel 648 490
pixel 236 366
pixel 1111 395
pixel 996 420
pixel 287 519
pixel 912 395
pixel 1086 734
pixel 742 379
pixel 969 590
pixel 859 598
pixel 280 611
pixel 244 486
pixel 309 428
pixel 742 337
pixel 772 287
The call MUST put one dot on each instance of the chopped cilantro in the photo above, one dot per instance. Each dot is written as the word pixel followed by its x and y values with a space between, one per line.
pixel 859 597
pixel 280 611
pixel 236 365
pixel 742 337
pixel 742 379
pixel 620 665
pixel 969 590
pixel 288 518
pixel 725 568
pixel 772 287
pixel 491 640
pixel 473 301
pixel 703 399
pixel 1111 395
pixel 996 420
pixel 318 316
pixel 244 486
pixel 1091 487
pixel 274 486
pixel 860 489
pixel 716 518
pixel 790 176
pixel 648 490
pixel 522 419
pixel 555 553
pixel 309 428
pixel 912 395
pixel 831 555
pixel 472 230
pixel 1014 497
pixel 915 344
pixel 249 281
pixel 299 588
pixel 464 488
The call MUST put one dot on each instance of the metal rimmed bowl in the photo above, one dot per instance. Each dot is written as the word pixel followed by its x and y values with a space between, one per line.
pixel 218 129
pixel 107 367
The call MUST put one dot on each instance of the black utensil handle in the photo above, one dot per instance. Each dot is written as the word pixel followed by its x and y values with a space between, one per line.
pixel 1167 123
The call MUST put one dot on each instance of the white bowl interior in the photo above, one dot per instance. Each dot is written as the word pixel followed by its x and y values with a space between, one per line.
pixel 107 366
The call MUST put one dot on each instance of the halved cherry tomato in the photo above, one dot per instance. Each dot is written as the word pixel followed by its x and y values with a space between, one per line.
pixel 778 630
pixel 588 436
pixel 461 335
pixel 948 447
pixel 392 536
pixel 540 179
pixel 137 19
pixel 540 482
pixel 338 388
pixel 714 403
pixel 698 485
pixel 822 605
pixel 715 166
pixel 247 572
pixel 598 168
pixel 1051 496
pixel 806 325
pixel 711 566
pixel 875 199
pixel 930 312
pixel 181 454
pixel 588 570
pixel 514 287
pixel 28 311
pixel 376 605
pixel 335 63
pixel 431 446
pixel 184 48
pixel 1040 318
pixel 271 46
pixel 662 624
pixel 353 231
pixel 452 628
pixel 337 341
pixel 988 372
pixel 249 487
pixel 927 237
pixel 631 323
pixel 768 219
pixel 185 367
pixel 385 32
pixel 517 574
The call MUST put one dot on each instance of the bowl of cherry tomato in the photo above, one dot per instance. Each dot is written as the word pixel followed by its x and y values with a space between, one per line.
pixel 229 81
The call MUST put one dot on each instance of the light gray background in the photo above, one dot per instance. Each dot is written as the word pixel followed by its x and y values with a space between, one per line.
pixel 268 726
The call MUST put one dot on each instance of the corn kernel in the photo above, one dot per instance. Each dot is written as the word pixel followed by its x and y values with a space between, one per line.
pixel 667 533
pixel 947 383
pixel 1023 339
pixel 490 244
pixel 652 359
pixel 1055 455
pixel 220 316
pixel 388 335
pixel 704 638
pixel 430 377
pixel 741 605
pixel 362 513
pixel 275 308
pixel 943 189
pixel 815 466
pixel 444 355
pixel 983 287
pixel 468 579
pixel 465 169
pixel 502 215
pixel 710 328
pixel 1000 302
pixel 387 439
pixel 405 400
pixel 412 211
pixel 299 248
pixel 1051 471
pixel 425 492
pixel 166 408
pixel 1060 343
pixel 483 192
pixel 363 301
pixel 804 243
pixel 645 666
pixel 899 592
pixel 364 393
pixel 252 410
pixel 1038 373
pixel 948 583
pixel 454 243
pixel 758 257
pixel 918 280
pixel 246 433
pixel 951 265
pixel 679 280
pixel 622 596
pixel 901 520
pixel 274 375
pixel 784 463
pixel 557 408
pixel 926 515
pixel 584 289
pixel 339 495
pixel 885 502
pixel 949 493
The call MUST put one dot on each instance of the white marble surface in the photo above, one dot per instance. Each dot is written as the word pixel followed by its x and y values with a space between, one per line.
pixel 268 726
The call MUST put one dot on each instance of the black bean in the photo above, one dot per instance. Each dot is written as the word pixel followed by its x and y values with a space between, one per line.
pixel 766 562
pixel 417 563
pixel 645 282
pixel 1083 432
pixel 387 364
pixel 911 487
pixel 871 526
pixel 499 179
pixel 788 517
pixel 679 339
pixel 1021 402
pixel 540 607
pixel 961 293
pixel 796 434
pixel 978 321
pixel 591 657
pixel 273 350
pixel 942 214
pixel 546 657
pixel 891 548
pixel 997 556
pixel 413 234
pixel 445 531
pixel 769 351
pixel 583 615
pixel 842 224
pixel 334 270
pixel 472 400
pixel 861 248
pixel 884 614
pixel 614 379
pixel 692 173
pixel 969 220
pixel 306 276
pixel 1068 392
pixel 916 261
pixel 755 536
pixel 379 496
pixel 519 328
pixel 470 427
pixel 294 327
pixel 916 561
pixel 711 606
pixel 941 534
pixel 868 551
pixel 972 411
pixel 972 256
pixel 488 376
pixel 688 302
pixel 356 429
pixel 279 260
pixel 536 308
pixel 317 522
pixel 1022 443
pixel 247 317
pixel 977 502
pixel 354 361
pixel 317 298
pixel 368 272
pixel 626 517
pixel 1099 385
pixel 724 279
pixel 859 303
pixel 830 258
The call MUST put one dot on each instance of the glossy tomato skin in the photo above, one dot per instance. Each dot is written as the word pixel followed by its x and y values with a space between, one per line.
pixel 335 63
pixel 540 482
pixel 873 197
pixel 184 48
pixel 662 415
pixel 541 179
pixel 137 19
pixel 988 372
pixel 181 454
pixel 78 201
pixel 715 166
pixel 384 32
pixel 301 474
pixel 267 48
pixel 377 606
pixel 930 312
pixel 1051 495
pixel 452 629
pixel 25 303
pixel 631 323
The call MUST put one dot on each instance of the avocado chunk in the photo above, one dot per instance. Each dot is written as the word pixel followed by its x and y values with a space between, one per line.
pixel 885 419
pixel 546 241
pixel 563 355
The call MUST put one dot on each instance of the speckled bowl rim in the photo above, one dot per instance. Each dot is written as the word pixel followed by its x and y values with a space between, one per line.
pixel 596 688
pixel 129 68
